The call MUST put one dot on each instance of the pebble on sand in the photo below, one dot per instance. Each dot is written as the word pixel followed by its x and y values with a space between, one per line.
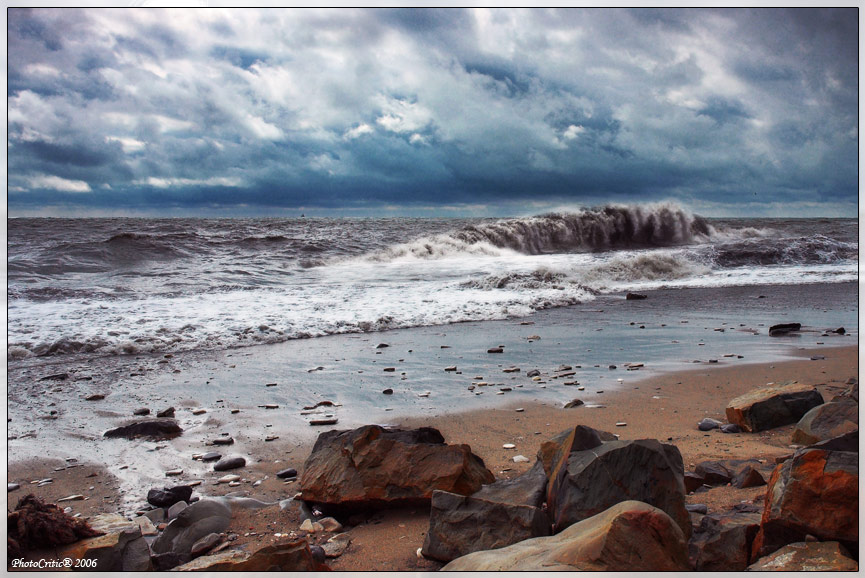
pixel 509 446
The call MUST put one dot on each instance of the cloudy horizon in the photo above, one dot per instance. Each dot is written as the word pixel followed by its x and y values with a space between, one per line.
pixel 445 112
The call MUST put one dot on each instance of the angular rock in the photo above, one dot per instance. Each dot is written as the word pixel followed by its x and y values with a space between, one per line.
pixel 205 544
pixel 552 453
pixel 574 403
pixel 848 442
pixel 499 514
pixel 772 407
pixel 592 480
pixel 748 477
pixel 372 466
pixel 167 497
pixel 827 421
pixel 628 537
pixel 152 428
pixel 231 463
pixel 720 472
pixel 693 482
pixel 337 545
pixel 807 557
pixel 287 473
pixel 168 412
pixel 169 560
pixel 722 543
pixel 196 521
pixel 330 524
pixel 290 557
pixel 730 428
pixel 175 509
pixel 817 493
pixel 121 549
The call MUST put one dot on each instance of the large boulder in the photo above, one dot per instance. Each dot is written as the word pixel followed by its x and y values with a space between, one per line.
pixel 193 523
pixel 629 537
pixel 807 557
pixel 497 515
pixel 772 407
pixel 827 421
pixel 151 428
pixel 590 481
pixel 167 497
pixel 371 466
pixel 290 557
pixel 815 492
pixel 722 542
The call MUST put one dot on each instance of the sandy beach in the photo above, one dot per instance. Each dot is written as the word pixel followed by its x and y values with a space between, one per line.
pixel 666 407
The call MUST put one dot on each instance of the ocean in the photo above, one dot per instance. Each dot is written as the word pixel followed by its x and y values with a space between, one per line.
pixel 132 286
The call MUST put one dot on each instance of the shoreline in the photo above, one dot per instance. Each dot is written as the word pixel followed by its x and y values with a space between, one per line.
pixel 678 400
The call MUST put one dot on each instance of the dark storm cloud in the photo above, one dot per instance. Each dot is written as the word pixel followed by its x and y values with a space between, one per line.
pixel 181 110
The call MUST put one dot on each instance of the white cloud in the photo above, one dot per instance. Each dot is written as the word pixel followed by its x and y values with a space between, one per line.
pixel 358 131
pixel 165 183
pixel 56 183
pixel 403 116
pixel 573 131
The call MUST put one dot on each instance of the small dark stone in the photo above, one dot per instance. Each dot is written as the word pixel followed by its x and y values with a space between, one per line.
pixel 382 346
pixel 154 428
pixel 211 456
pixel 167 497
pixel 533 373
pixel 784 329
pixel 730 428
pixel 612 367
pixel 94 397
pixel 226 441
pixel 387 391
pixel 840 331
pixel 141 411
pixel 574 403
pixel 287 473
pixel 635 296
pixel 496 350
pixel 166 412
pixel 229 464
pixel 56 377
pixel 317 553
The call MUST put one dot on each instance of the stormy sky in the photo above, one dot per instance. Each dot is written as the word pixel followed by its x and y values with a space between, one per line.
pixel 235 112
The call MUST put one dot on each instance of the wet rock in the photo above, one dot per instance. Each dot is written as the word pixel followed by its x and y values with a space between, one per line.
pixel 287 473
pixel 152 428
pixel 592 480
pixel 827 421
pixel 374 466
pixel 451 368
pixel 95 397
pixel 288 557
pixel 387 391
pixel 496 350
pixel 807 557
pixel 168 412
pixel 784 329
pixel 615 540
pixel 167 497
pixel 318 554
pixel 211 457
pixel 223 441
pixel 324 421
pixel 707 424
pixel 817 493
pixel 175 509
pixel 195 522
pixel 382 346
pixel 722 542
pixel 772 407
pixel 635 296
pixel 499 514
pixel 141 411
pixel 574 403
pixel 231 463
pixel 533 373
pixel 12 486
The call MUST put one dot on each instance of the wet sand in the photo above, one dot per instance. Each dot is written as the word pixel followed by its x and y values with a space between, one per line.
pixel 664 406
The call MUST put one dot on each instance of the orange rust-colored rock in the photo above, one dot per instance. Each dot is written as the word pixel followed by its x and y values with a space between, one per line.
pixel 807 557
pixel 817 493
pixel 772 407
pixel 371 466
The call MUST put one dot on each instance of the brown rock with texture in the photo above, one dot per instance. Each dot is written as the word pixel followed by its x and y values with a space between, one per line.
pixel 807 557
pixel 371 466
pixel 817 493
pixel 289 557
pixel 827 421
pixel 592 480
pixel 630 536
pixel 772 407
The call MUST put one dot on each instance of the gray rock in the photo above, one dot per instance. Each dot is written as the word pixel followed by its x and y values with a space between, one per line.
pixel 499 514
pixel 595 479
pixel 169 412
pixel 287 473
pixel 225 441
pixel 730 428
pixel 12 486
pixel 697 508
pixel 533 373
pixel 205 544
pixel 231 463
pixel 196 521
pixel 175 509
pixel 136 557
pixel 169 560
pixel 211 457
pixel 707 424
pixel 337 545
pixel 167 497
pixel 722 543
pixel 157 515
pixel 848 442
pixel 141 411
pixel 827 421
